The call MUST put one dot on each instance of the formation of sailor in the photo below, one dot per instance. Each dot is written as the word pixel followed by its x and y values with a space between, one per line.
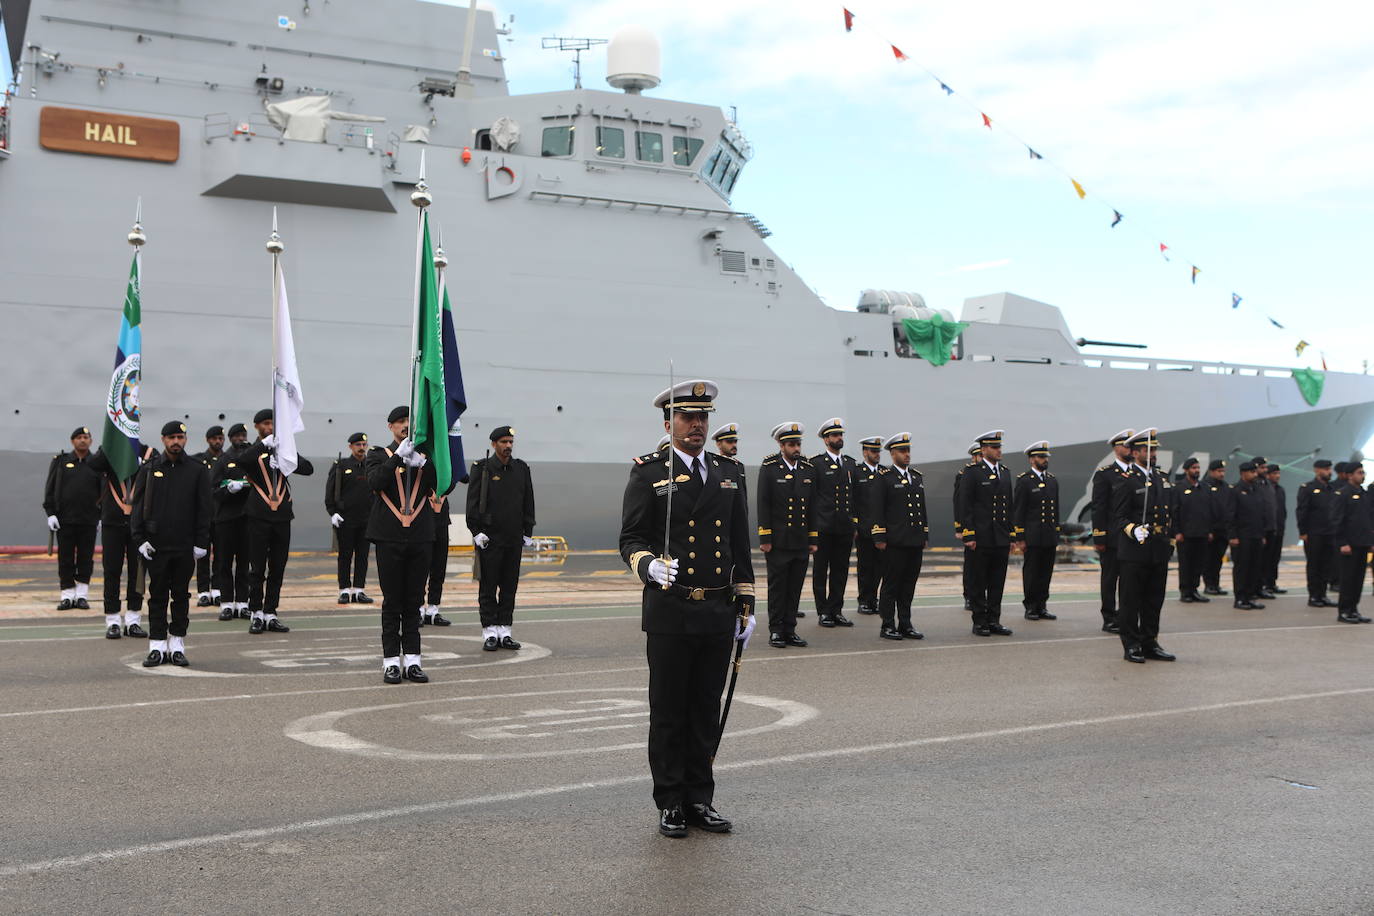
pixel 500 515
pixel 985 513
pixel 1104 482
pixel 900 532
pixel 835 519
pixel 170 522
pixel 1197 507
pixel 787 530
pixel 1035 527
pixel 229 483
pixel 1353 519
pixel 119 557
pixel 205 582
pixel 698 598
pixel 870 561
pixel 269 513
pixel 71 499
pixel 1143 524
pixel 1317 530
pixel 975 454
pixel 348 500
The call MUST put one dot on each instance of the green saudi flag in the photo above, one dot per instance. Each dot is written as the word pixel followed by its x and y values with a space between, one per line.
pixel 429 414
pixel 120 437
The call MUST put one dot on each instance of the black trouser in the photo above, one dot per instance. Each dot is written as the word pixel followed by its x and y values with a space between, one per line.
pixel 901 570
pixel 1245 568
pixel 204 580
pixel 1037 568
pixel 1192 559
pixel 1353 566
pixel 500 575
pixel 1334 582
pixel 1109 583
pixel 686 677
pixel 118 557
pixel 75 554
pixel 1142 597
pixel 1269 559
pixel 1216 552
pixel 968 575
pixel 353 549
pixel 830 572
pixel 268 545
pixel 786 575
pixel 870 572
pixel 1320 550
pixel 987 582
pixel 169 580
pixel 438 570
pixel 231 560
pixel 401 571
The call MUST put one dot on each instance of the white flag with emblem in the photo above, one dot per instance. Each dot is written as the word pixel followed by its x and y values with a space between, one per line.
pixel 287 401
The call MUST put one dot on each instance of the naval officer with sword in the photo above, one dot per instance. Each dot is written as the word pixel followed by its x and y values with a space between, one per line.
pixel 685 533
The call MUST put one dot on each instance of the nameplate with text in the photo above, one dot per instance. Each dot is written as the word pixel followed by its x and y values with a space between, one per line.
pixel 101 133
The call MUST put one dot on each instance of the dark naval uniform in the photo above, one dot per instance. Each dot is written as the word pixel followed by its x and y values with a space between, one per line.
pixel 1143 499
pixel 1035 521
pixel 438 555
pixel 967 570
pixel 1248 521
pixel 1105 481
pixel 507 518
pixel 348 494
pixel 231 532
pixel 401 523
pixel 836 514
pixel 1273 549
pixel 985 513
pixel 786 499
pixel 903 527
pixel 1195 506
pixel 205 578
pixel 1317 530
pixel 1353 518
pixel 269 515
pixel 72 494
pixel 1222 505
pixel 868 502
pixel 119 551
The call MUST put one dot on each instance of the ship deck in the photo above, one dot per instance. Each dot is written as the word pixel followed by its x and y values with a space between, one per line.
pixel 1036 774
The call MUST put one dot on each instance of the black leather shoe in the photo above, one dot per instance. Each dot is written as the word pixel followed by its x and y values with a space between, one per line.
pixel 865 609
pixel 1215 591
pixel 391 674
pixel 911 633
pixel 65 604
pixel 203 601
pixel 1156 654
pixel 113 631
pixel 179 659
pixel 1318 602
pixel 345 598
pixel 777 640
pixel 154 659
pixel 508 643
pixel 135 631
pixel 794 640
pixel 226 613
pixel 244 614
pixel 672 822
pixel 1278 591
pixel 1267 593
pixel 968 605
pixel 491 644
pixel 998 630
pixel 1187 598
pixel 361 598
pixel 841 620
pixel 889 633
pixel 981 631
pixel 707 818
pixel 82 604
pixel 1134 655
pixel 1201 598
pixel 439 620
pixel 826 621
pixel 1109 626
pixel 421 621
pixel 1046 615
pixel 1247 606
pixel 801 614
pixel 257 626
pixel 1352 617
pixel 417 674
pixel 276 626
pixel 1032 614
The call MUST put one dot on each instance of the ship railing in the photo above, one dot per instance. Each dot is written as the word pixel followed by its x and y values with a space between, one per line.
pixel 219 125
pixel 1136 365
pixel 613 203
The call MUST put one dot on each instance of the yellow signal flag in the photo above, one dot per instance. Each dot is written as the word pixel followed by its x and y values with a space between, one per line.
pixel 1079 188
pixel 1302 345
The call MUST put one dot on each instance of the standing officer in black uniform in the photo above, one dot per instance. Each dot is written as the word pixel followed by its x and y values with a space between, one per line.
pixel 726 439
pixel 401 524
pixel 698 590
pixel 170 522
pixel 1035 524
pixel 1104 481
pixel 205 583
pixel 230 491
pixel 500 515
pixel 119 551
pixel 348 500
pixel 1271 514
pixel 1316 529
pixel 1273 550
pixel 1248 519
pixel 787 530
pixel 269 516
pixel 1353 517
pixel 1343 469
pixel 985 513
pixel 901 530
pixel 835 518
pixel 1222 500
pixel 867 500
pixel 1195 504
pixel 1143 522
pixel 71 499
pixel 975 454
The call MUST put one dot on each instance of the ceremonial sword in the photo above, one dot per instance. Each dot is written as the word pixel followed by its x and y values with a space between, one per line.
pixel 668 513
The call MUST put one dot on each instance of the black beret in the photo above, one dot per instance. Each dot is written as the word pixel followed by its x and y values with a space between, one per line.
pixel 261 415
pixel 1217 464
pixel 357 437
pixel 1190 463
pixel 1248 466
pixel 398 414
pixel 174 428
pixel 214 431
pixel 1258 460
pixel 502 432
pixel 1342 467
pixel 1322 463
pixel 80 431
pixel 238 429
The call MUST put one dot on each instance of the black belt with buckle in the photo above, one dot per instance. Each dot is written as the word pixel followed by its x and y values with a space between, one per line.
pixel 696 594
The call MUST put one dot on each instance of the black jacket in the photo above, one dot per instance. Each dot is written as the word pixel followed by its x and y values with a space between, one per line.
pixel 1249 513
pixel 509 515
pixel 72 491
pixel 116 496
pixel 1353 516
pixel 172 505
pixel 709 537
pixel 1223 505
pixel 230 466
pixel 1195 508
pixel 985 505
pixel 1105 480
pixel 903 522
pixel 868 499
pixel 787 503
pixel 1035 509
pixel 1146 498
pixel 1315 501
pixel 401 511
pixel 1269 502
pixel 348 478
pixel 836 509
pixel 1280 508
pixel 958 486
pixel 269 493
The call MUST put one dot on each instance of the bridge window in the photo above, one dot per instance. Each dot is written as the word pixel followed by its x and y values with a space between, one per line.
pixel 685 150
pixel 558 141
pixel 648 146
pixel 610 142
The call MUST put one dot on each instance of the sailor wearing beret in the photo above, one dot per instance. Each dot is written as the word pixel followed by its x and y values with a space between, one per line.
pixel 1222 498
pixel 1316 530
pixel 71 500
pixel 1035 519
pixel 348 500
pixel 229 487
pixel 214 448
pixel 500 515
pixel 269 512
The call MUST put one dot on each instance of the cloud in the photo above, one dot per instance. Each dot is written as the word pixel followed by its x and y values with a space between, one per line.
pixel 974 268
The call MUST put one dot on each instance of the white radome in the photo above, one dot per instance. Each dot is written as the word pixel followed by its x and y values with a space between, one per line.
pixel 634 61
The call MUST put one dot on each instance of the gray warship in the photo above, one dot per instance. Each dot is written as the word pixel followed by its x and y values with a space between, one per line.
pixel 591 240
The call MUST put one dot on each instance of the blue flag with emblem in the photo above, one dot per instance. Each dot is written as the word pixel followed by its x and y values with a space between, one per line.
pixel 455 399
pixel 119 439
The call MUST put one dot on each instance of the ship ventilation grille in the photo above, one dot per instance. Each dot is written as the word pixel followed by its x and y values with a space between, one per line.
pixel 732 262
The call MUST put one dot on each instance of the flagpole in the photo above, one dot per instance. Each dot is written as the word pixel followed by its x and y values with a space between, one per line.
pixel 421 198
pixel 274 248
pixel 138 240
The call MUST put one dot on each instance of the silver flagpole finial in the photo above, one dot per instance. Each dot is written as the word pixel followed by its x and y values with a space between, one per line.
pixel 136 236
pixel 274 243
pixel 421 197
pixel 440 259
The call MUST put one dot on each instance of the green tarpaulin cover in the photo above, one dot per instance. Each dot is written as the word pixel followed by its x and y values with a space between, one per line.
pixel 1310 383
pixel 931 339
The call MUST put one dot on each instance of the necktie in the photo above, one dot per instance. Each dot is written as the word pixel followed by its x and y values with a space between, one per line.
pixel 696 466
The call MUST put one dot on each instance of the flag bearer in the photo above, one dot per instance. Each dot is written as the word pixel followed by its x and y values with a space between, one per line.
pixel 269 516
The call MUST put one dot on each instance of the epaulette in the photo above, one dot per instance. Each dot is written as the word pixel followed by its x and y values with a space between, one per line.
pixel 725 457
pixel 651 458
pixel 1106 467
pixel 883 469
pixel 1025 473
pixel 912 470
pixel 771 459
pixel 805 462
pixel 1048 474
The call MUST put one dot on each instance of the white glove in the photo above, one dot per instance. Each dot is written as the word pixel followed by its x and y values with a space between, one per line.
pixel 146 550
pixel 528 542
pixel 481 540
pixel 661 573
pixel 272 460
pixel 53 523
pixel 336 519
pixel 405 449
pixel 199 552
pixel 1141 534
pixel 269 442
pixel 416 460
pixel 234 486
pixel 743 633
